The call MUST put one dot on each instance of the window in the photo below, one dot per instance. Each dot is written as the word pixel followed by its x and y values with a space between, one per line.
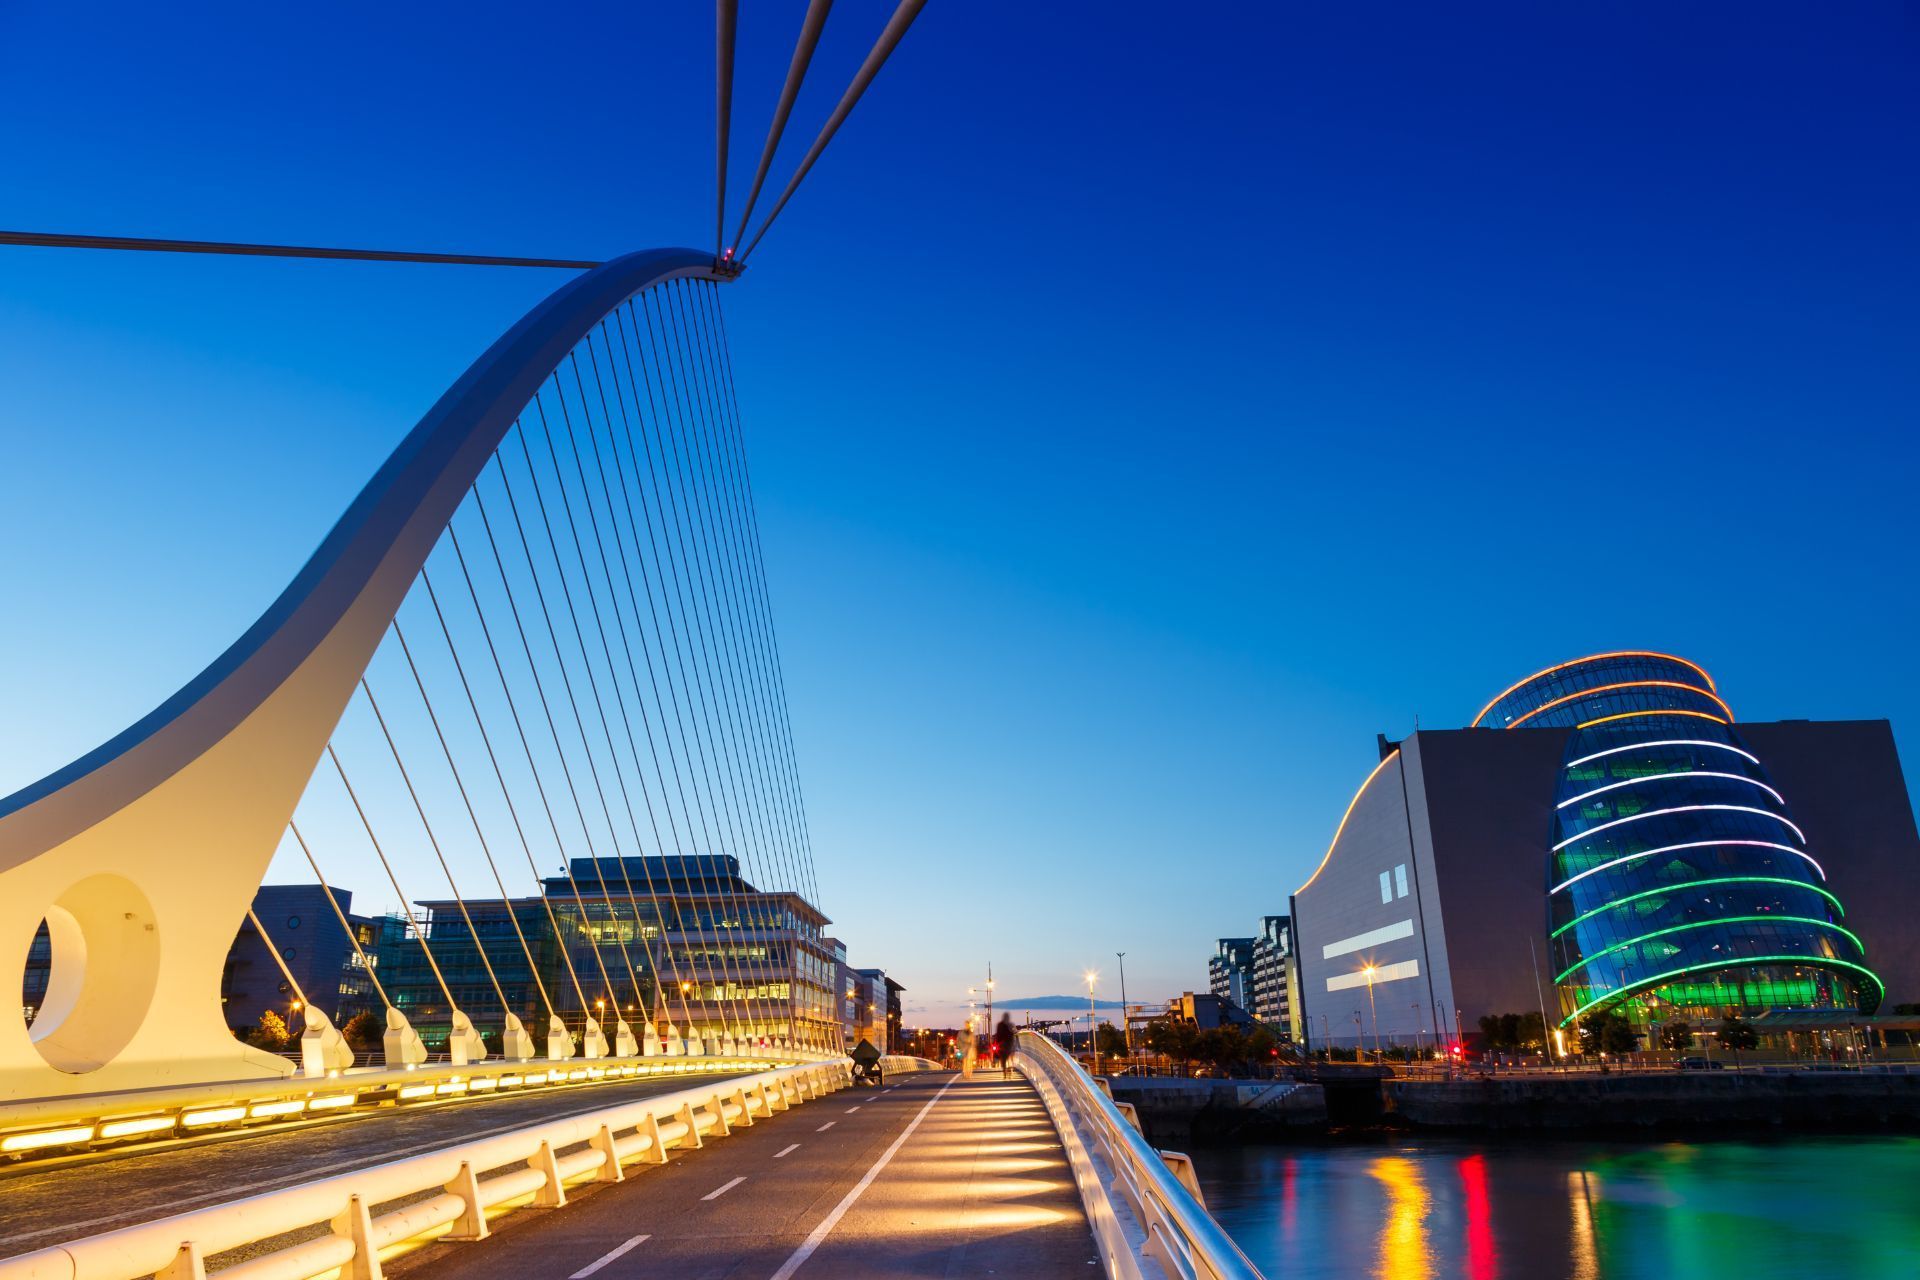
pixel 1386 888
pixel 1400 880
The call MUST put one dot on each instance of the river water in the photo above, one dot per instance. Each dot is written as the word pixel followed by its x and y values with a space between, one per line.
pixel 1434 1208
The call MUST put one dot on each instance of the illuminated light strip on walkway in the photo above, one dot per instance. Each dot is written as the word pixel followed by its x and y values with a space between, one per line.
pixel 1624 684
pixel 1594 657
pixel 1351 804
pixel 1703 924
pixel 1684 808
pixel 1683 773
pixel 1691 844
pixel 1676 890
pixel 1745 962
pixel 1670 711
pixel 1664 742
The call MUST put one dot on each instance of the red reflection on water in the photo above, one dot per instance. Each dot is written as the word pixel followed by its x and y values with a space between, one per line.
pixel 1483 1257
pixel 1289 1194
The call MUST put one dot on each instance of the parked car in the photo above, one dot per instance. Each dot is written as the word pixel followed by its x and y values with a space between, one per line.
pixel 1700 1064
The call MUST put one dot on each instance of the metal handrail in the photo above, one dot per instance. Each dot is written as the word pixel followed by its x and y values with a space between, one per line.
pixel 466 1185
pixel 1171 1223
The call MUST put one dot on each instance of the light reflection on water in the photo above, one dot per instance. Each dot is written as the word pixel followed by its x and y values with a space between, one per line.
pixel 1433 1209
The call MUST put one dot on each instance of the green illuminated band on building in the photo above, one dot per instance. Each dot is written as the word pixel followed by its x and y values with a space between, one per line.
pixel 1805 962
pixel 1698 884
pixel 1705 924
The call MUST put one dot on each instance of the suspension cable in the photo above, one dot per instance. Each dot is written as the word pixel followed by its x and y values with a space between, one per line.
pixel 513 811
pixel 434 842
pixel 635 519
pixel 55 240
pixel 810 28
pixel 353 939
pixel 897 25
pixel 278 959
pixel 733 559
pixel 405 909
pixel 765 612
pixel 506 900
pixel 681 569
pixel 606 571
pixel 573 616
pixel 717 694
pixel 726 14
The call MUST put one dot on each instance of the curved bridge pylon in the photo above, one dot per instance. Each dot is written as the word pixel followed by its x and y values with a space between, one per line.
pixel 143 856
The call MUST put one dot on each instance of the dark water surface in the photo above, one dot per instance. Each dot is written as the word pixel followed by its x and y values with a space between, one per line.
pixel 1410 1210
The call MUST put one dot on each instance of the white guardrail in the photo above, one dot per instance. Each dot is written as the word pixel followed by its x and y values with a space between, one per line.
pixel 452 1193
pixel 1143 1205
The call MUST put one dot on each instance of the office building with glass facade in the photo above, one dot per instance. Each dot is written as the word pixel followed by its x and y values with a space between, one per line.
pixel 1603 839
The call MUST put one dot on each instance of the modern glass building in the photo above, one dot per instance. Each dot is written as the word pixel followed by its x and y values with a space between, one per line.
pixel 1678 884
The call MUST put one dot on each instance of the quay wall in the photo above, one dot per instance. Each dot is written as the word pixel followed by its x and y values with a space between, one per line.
pixel 1731 1099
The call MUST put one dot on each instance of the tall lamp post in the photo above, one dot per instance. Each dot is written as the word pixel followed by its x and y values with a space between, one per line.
pixel 1374 1013
pixel 1126 1020
pixel 1093 1027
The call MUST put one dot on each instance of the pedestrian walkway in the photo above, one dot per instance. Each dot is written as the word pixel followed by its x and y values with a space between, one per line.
pixel 979 1187
pixel 930 1176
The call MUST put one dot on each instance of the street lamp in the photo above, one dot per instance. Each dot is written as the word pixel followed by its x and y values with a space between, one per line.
pixel 1126 1020
pixel 1093 1035
pixel 1374 1013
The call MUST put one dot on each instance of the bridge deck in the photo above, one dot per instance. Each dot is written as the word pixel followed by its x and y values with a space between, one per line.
pixel 49 1202
pixel 933 1177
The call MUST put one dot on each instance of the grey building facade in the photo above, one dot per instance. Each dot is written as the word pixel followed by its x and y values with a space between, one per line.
pixel 1430 907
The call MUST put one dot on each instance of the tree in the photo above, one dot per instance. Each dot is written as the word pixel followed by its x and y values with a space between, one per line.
pixel 1737 1035
pixel 1677 1035
pixel 363 1033
pixel 1175 1038
pixel 1262 1046
pixel 270 1032
pixel 1606 1033
pixel 1111 1040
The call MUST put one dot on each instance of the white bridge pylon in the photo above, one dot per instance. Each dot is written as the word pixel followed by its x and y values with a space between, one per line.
pixel 143 856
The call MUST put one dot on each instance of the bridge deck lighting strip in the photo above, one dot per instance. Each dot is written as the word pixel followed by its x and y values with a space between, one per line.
pixel 1702 924
pixel 1664 742
pixel 1744 962
pixel 1593 657
pixel 1684 808
pixel 1676 890
pixel 1669 711
pixel 1624 684
pixel 1681 773
pixel 46 1138
pixel 1691 844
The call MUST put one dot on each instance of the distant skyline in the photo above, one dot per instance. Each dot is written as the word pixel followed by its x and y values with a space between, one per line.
pixel 1143 414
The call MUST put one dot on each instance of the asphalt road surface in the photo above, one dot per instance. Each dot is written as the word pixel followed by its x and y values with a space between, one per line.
pixel 48 1204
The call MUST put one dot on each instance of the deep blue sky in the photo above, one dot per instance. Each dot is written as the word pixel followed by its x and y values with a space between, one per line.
pixel 1146 405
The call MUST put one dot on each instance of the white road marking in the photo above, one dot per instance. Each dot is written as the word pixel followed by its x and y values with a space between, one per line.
pixel 723 1188
pixel 851 1110
pixel 828 1125
pixel 604 1259
pixel 819 1234
pixel 786 1151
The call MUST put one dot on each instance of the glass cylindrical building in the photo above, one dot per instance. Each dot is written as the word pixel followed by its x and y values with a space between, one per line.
pixel 1678 885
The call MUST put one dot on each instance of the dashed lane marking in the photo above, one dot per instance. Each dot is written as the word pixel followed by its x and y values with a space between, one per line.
pixel 724 1187
pixel 604 1259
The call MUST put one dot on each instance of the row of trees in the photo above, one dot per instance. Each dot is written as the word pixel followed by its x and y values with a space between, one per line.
pixel 1609 1033
pixel 1224 1048
pixel 363 1033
